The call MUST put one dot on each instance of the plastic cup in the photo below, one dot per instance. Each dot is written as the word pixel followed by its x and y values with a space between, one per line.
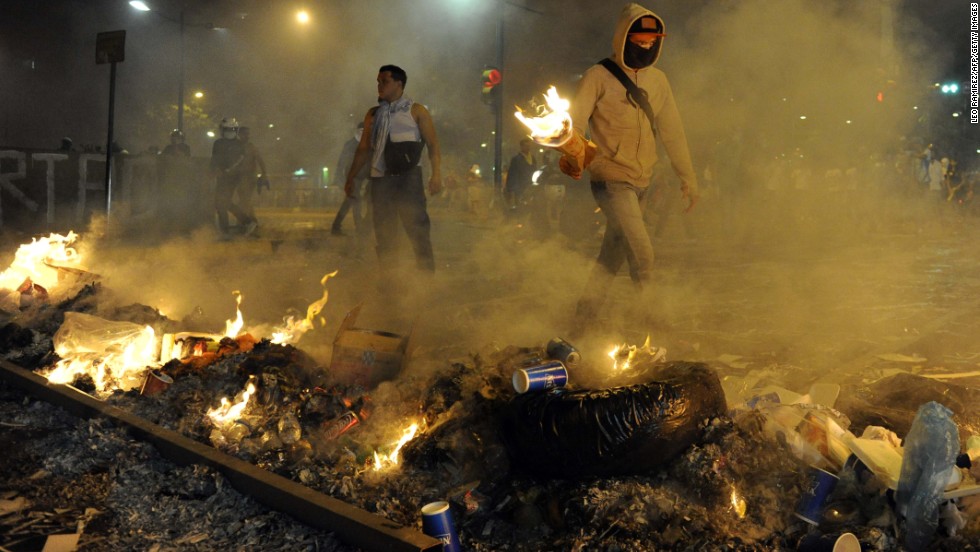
pixel 820 483
pixel 437 522
pixel 540 378
pixel 155 382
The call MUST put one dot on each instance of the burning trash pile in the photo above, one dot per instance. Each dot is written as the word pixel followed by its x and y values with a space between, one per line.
pixel 523 448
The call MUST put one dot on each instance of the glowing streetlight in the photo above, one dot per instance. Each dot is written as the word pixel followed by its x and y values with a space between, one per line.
pixel 141 6
pixel 199 94
pixel 303 17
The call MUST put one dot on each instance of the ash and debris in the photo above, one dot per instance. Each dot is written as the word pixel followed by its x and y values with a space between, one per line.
pixel 65 475
pixel 736 489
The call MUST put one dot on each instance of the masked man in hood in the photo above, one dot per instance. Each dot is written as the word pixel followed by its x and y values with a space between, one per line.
pixel 626 140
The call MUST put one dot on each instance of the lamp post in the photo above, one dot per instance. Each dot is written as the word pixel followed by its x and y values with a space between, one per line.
pixel 498 116
pixel 180 82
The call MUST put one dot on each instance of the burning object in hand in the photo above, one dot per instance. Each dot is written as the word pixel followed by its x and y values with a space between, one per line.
pixel 551 126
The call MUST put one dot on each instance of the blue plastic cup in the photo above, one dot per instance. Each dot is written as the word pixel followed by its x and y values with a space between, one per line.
pixel 820 483
pixel 861 472
pixel 437 522
pixel 540 378
pixel 559 349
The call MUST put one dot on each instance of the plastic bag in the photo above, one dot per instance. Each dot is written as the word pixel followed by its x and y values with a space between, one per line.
pixel 618 431
pixel 931 447
pixel 83 333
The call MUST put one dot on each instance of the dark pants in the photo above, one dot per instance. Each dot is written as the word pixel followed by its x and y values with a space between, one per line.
pixel 224 191
pixel 401 198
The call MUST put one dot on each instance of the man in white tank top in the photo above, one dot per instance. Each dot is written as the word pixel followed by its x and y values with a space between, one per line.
pixel 395 132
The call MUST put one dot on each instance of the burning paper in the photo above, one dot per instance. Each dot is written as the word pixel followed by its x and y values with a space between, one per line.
pixel 114 354
pixel 228 419
pixel 625 356
pixel 739 505
pixel 551 126
pixel 229 412
pixel 36 267
pixel 294 329
pixel 383 461
pixel 232 329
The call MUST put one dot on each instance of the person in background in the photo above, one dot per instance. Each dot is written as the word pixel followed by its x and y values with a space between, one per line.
pixel 477 193
pixel 519 174
pixel 627 153
pixel 254 177
pixel 177 147
pixel 395 132
pixel 351 202
pixel 227 166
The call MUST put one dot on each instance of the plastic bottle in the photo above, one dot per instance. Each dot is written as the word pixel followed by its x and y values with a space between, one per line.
pixel 931 447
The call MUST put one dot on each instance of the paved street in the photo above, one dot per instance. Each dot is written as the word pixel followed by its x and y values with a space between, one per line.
pixel 811 294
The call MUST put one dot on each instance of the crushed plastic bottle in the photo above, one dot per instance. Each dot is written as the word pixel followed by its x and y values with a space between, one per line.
pixel 931 447
pixel 289 429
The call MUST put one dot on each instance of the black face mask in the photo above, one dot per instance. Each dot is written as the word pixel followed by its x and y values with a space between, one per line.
pixel 637 57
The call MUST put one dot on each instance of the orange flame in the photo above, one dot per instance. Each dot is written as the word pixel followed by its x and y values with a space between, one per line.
pixel 383 461
pixel 624 355
pixel 119 364
pixel 33 260
pixel 232 329
pixel 294 329
pixel 739 505
pixel 228 412
pixel 552 126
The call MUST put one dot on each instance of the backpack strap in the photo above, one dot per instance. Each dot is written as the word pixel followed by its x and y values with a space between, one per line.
pixel 634 94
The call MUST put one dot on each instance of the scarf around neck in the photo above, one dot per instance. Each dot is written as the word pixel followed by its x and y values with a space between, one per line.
pixel 382 124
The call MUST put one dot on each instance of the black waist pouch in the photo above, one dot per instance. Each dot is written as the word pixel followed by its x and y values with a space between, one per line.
pixel 401 157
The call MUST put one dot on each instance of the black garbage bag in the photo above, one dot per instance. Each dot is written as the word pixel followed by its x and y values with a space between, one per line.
pixel 893 402
pixel 618 431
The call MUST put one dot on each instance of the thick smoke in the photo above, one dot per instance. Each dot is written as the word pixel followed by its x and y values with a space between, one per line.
pixel 744 74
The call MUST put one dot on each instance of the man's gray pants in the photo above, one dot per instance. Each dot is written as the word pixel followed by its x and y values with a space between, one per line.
pixel 626 239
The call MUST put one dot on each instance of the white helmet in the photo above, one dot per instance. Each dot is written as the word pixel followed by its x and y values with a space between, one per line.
pixel 230 123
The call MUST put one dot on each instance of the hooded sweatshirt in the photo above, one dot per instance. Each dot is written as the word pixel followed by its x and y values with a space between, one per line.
pixel 627 147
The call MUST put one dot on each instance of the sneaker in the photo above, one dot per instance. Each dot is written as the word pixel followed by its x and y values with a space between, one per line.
pixel 250 227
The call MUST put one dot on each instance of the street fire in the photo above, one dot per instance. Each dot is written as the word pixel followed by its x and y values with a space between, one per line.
pixel 227 412
pixel 552 125
pixel 624 356
pixel 739 506
pixel 114 354
pixel 232 329
pixel 293 328
pixel 383 461
pixel 38 261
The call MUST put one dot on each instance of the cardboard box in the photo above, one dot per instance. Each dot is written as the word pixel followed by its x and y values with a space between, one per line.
pixel 367 357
